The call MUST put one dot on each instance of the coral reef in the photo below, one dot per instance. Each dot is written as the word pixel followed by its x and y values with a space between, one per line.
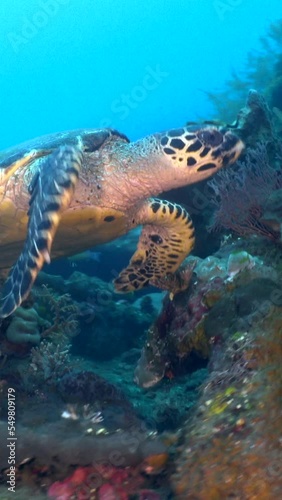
pixel 47 315
pixel 255 122
pixel 24 327
pixel 48 363
pixel 232 446
pixel 241 196
pixel 20 332
pixel 80 420
pixel 59 311
pixel 187 326
pixel 80 287
pixel 272 212
pixel 104 482
pixel 59 444
pixel 88 390
pixel 178 281
pixel 109 325
pixel 86 386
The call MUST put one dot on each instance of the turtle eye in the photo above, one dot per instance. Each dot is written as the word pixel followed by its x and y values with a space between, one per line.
pixel 211 137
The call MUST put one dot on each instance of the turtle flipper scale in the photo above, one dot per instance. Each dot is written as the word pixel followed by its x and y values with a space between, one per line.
pixel 166 240
pixel 51 191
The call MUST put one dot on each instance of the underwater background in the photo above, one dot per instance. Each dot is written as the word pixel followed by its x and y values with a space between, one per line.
pixel 172 392
pixel 69 64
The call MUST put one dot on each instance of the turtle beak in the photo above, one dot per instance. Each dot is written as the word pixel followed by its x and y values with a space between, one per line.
pixel 233 146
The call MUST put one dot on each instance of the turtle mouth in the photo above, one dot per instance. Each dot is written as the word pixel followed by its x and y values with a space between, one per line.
pixel 230 149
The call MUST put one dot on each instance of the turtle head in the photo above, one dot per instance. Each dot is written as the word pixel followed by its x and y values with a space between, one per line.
pixel 197 153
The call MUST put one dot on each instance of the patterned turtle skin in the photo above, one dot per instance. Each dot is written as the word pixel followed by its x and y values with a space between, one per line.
pixel 87 187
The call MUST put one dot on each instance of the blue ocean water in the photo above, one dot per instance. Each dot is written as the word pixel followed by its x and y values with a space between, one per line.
pixel 137 66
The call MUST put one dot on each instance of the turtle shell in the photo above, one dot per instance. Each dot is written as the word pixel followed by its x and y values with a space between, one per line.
pixel 91 139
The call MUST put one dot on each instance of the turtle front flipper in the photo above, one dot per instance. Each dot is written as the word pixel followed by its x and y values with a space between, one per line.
pixel 166 239
pixel 51 191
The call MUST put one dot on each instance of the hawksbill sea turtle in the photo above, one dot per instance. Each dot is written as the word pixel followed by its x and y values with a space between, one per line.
pixel 93 186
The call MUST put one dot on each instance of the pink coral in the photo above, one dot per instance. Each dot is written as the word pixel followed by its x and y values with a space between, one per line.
pixel 63 490
pixel 108 483
pixel 109 492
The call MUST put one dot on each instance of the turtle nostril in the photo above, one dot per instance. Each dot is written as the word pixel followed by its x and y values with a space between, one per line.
pixel 212 137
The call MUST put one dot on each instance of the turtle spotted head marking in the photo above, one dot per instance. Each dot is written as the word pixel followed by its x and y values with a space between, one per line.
pixel 197 154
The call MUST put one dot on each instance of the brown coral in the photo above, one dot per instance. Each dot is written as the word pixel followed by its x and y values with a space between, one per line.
pixel 232 447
